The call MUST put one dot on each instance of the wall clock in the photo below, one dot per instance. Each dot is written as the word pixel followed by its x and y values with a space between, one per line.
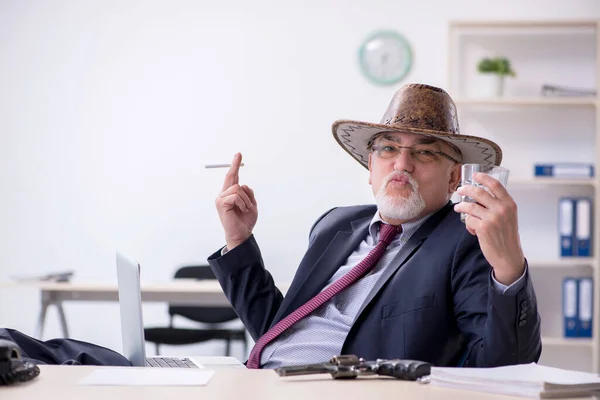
pixel 385 57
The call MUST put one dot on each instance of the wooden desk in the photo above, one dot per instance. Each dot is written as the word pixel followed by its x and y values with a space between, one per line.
pixel 180 291
pixel 61 382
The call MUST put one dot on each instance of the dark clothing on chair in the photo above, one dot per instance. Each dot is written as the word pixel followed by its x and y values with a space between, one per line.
pixel 62 351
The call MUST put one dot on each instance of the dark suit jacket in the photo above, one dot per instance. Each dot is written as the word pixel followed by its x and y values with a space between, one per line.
pixel 435 302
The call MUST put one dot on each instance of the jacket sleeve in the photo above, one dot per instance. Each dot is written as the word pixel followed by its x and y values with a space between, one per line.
pixel 248 286
pixel 500 329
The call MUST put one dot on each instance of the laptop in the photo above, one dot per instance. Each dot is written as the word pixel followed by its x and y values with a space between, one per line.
pixel 132 326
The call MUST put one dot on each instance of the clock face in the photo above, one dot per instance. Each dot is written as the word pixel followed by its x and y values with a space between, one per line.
pixel 385 57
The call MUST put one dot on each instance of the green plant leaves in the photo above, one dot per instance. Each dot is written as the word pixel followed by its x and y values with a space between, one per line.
pixel 498 65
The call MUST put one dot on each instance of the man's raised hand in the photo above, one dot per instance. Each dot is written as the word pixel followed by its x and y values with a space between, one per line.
pixel 236 206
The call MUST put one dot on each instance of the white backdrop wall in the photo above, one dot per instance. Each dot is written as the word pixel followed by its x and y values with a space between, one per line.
pixel 110 109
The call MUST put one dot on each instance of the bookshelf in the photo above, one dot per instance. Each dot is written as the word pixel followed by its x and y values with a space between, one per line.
pixel 551 182
pixel 532 128
pixel 569 342
pixel 533 101
pixel 564 262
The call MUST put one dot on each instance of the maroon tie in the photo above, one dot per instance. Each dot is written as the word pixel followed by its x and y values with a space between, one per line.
pixel 386 235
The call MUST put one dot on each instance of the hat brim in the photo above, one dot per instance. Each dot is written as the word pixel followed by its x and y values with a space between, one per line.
pixel 354 137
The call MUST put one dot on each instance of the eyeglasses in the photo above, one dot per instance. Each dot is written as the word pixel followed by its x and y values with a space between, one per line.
pixel 418 154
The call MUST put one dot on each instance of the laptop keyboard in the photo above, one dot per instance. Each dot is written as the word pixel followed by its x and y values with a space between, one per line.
pixel 170 362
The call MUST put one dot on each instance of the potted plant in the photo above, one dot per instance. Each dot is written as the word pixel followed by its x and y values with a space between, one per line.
pixel 496 70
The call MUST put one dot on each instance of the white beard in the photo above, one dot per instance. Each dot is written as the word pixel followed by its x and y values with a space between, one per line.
pixel 399 208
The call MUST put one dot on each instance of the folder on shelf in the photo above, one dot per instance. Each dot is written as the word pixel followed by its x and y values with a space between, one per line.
pixel 570 307
pixel 558 90
pixel 583 227
pixel 566 224
pixel 585 309
pixel 565 170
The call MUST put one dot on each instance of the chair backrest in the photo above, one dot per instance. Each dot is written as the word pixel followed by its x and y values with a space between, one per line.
pixel 209 315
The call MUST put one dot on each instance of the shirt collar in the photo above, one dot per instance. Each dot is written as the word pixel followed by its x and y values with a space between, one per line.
pixel 408 228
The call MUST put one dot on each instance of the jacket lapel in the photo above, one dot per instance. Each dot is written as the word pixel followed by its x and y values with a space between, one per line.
pixel 413 244
pixel 338 251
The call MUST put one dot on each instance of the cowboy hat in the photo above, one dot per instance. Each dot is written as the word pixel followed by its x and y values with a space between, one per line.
pixel 420 109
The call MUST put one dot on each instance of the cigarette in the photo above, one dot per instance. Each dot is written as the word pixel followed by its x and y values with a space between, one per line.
pixel 220 165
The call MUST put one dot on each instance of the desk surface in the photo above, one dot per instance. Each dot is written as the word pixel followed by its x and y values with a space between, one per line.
pixel 61 382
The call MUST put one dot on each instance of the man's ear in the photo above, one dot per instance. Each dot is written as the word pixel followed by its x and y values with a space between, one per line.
pixel 455 175
pixel 369 165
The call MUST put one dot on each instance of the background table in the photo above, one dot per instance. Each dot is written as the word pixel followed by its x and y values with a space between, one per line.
pixel 181 291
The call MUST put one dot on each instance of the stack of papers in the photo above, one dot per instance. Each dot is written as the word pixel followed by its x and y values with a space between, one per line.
pixel 129 376
pixel 526 380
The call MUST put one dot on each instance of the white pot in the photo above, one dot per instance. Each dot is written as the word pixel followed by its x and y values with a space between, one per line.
pixel 489 85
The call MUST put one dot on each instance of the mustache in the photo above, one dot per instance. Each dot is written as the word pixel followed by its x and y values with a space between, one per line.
pixel 399 174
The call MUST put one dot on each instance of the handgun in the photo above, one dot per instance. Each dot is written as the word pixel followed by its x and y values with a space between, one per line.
pixel 350 366
pixel 13 369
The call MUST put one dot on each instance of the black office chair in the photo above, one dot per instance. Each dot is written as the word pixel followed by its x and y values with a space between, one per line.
pixel 213 317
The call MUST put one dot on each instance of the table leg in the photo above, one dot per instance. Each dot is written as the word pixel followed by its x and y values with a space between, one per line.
pixel 63 319
pixel 48 299
pixel 39 330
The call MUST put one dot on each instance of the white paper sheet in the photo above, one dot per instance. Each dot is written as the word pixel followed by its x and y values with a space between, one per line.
pixel 527 380
pixel 524 373
pixel 147 377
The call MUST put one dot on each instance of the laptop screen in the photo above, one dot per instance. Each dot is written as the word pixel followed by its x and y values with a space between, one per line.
pixel 130 303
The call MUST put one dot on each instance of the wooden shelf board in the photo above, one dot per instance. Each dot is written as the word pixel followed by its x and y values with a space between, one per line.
pixel 564 262
pixel 553 181
pixel 530 101
pixel 558 341
pixel 525 24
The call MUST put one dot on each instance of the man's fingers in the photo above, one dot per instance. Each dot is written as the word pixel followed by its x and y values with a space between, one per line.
pixel 480 195
pixel 230 196
pixel 244 196
pixel 494 185
pixel 471 224
pixel 250 194
pixel 233 176
pixel 232 201
pixel 473 209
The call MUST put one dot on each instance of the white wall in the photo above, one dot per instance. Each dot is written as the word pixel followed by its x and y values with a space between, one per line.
pixel 110 109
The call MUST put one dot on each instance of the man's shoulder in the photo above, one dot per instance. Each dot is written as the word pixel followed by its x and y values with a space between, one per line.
pixel 350 212
pixel 339 217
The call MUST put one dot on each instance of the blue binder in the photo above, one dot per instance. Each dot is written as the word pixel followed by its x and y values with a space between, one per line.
pixel 583 227
pixel 566 225
pixel 570 307
pixel 585 306
pixel 565 170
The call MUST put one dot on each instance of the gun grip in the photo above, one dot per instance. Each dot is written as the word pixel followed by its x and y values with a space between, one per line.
pixel 406 370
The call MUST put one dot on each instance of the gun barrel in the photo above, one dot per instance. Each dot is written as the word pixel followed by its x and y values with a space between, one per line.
pixel 305 369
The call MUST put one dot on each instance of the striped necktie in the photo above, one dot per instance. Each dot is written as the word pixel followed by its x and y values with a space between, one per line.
pixel 386 235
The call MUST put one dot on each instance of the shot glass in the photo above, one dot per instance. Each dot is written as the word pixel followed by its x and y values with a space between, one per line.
pixel 499 173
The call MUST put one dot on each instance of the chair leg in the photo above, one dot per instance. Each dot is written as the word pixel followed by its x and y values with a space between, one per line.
pixel 228 346
pixel 157 349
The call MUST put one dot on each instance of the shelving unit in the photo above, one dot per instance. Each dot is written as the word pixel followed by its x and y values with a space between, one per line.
pixel 564 262
pixel 552 182
pixel 532 128
pixel 533 101
pixel 580 342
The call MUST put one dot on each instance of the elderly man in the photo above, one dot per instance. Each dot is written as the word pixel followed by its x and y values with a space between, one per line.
pixel 403 278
